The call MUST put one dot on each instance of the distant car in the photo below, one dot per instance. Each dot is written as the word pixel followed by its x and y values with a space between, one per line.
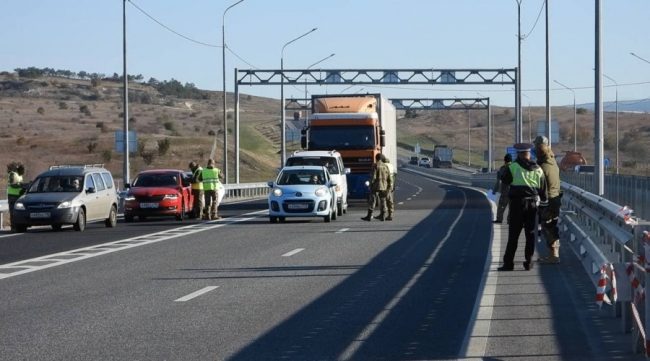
pixel 302 191
pixel 67 194
pixel 158 193
pixel 414 160
pixel 425 162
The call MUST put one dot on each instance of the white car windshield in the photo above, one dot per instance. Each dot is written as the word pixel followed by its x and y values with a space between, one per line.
pixel 294 177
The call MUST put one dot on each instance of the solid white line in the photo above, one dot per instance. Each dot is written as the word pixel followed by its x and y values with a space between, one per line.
pixel 289 254
pixel 342 230
pixel 196 294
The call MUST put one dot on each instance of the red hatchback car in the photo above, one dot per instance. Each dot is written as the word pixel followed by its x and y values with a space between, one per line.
pixel 158 192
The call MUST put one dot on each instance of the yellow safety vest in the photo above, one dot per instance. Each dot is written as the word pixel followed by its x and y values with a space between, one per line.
pixel 527 178
pixel 198 185
pixel 211 179
pixel 13 187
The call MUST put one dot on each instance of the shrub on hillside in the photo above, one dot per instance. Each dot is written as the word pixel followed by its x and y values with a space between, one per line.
pixel 85 110
pixel 107 155
pixel 169 125
pixel 163 146
pixel 40 110
pixel 91 146
pixel 63 105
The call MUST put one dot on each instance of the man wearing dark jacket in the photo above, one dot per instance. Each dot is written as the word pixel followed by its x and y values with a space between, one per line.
pixel 527 191
pixel 550 214
pixel 503 188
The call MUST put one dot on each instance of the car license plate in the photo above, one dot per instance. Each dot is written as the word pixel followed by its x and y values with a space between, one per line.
pixel 148 205
pixel 40 215
pixel 297 206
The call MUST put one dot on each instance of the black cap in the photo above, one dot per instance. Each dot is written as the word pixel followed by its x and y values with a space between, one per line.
pixel 523 147
pixel 507 158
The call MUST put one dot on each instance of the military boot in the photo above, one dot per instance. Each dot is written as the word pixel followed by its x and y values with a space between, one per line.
pixel 368 217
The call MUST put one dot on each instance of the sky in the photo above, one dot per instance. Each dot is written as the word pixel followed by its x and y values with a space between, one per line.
pixel 363 34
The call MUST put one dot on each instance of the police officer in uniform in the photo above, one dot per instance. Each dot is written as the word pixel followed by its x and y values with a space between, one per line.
pixel 527 191
pixel 211 184
pixel 15 172
pixel 197 190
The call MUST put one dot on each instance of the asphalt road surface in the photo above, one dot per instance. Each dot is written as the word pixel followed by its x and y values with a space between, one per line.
pixel 244 289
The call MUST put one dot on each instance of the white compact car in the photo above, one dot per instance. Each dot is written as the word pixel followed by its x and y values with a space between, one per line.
pixel 425 162
pixel 302 191
pixel 333 161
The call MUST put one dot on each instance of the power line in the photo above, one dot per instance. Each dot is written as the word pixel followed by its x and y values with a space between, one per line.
pixel 240 58
pixel 536 20
pixel 172 30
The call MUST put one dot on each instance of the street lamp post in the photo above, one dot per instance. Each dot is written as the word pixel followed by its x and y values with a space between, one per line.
pixel 616 85
pixel 125 75
pixel 225 111
pixel 469 141
pixel 283 131
pixel 518 115
pixel 638 57
pixel 575 126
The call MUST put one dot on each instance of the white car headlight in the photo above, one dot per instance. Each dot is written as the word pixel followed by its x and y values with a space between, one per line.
pixel 277 192
pixel 171 196
pixel 20 206
pixel 321 191
pixel 129 198
pixel 66 204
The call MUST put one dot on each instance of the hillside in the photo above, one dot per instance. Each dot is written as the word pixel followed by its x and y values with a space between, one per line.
pixel 56 120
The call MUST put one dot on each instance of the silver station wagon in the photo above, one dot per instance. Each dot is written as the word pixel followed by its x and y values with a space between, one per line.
pixel 67 195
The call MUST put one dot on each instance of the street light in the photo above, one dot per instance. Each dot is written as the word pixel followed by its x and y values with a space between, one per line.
pixel 638 57
pixel 283 121
pixel 225 111
pixel 575 126
pixel 313 65
pixel 518 122
pixel 616 84
pixel 125 75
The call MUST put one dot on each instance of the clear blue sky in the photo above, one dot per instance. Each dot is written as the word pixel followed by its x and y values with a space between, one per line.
pixel 87 35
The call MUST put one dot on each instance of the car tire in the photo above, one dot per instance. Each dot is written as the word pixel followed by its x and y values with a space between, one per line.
pixel 56 227
pixel 111 221
pixel 80 224
pixel 282 219
pixel 128 219
pixel 339 209
pixel 273 219
pixel 181 216
pixel 328 218
pixel 335 212
pixel 19 228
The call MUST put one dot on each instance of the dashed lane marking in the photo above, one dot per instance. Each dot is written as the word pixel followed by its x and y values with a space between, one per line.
pixel 196 294
pixel 291 253
pixel 342 230
pixel 58 259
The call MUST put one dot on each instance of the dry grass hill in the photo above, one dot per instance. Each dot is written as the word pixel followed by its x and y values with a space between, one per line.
pixel 53 120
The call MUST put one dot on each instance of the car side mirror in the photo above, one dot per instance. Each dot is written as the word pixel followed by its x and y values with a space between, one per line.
pixel 333 183
pixel 270 184
pixel 347 170
pixel 127 185
pixel 90 190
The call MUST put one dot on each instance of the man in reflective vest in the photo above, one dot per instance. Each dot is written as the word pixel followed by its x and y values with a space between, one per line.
pixel 527 191
pixel 197 190
pixel 15 171
pixel 211 185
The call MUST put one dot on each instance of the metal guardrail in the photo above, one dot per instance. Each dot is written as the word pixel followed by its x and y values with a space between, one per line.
pixel 243 191
pixel 609 242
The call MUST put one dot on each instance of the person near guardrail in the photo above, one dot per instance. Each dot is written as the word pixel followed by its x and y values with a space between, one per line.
pixel 549 214
pixel 211 185
pixel 527 191
pixel 197 190
pixel 15 186
pixel 503 188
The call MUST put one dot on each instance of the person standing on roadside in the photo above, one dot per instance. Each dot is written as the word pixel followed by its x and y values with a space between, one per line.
pixel 550 213
pixel 380 184
pixel 390 204
pixel 197 190
pixel 211 184
pixel 527 192
pixel 15 172
pixel 503 188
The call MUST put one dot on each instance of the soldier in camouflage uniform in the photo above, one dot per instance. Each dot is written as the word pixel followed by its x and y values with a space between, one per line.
pixel 381 183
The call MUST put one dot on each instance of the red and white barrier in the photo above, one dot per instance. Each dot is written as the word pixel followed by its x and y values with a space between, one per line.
pixel 606 272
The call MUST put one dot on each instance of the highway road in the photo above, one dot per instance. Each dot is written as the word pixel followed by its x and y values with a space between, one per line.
pixel 244 289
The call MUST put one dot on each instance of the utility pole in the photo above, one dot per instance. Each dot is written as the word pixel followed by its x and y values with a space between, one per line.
pixel 125 98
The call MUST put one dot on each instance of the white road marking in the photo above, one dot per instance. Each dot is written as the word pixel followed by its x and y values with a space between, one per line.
pixel 57 259
pixel 291 253
pixel 475 343
pixel 9 235
pixel 342 230
pixel 196 294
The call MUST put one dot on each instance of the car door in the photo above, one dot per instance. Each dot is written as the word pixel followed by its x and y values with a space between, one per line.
pixel 105 201
pixel 91 198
